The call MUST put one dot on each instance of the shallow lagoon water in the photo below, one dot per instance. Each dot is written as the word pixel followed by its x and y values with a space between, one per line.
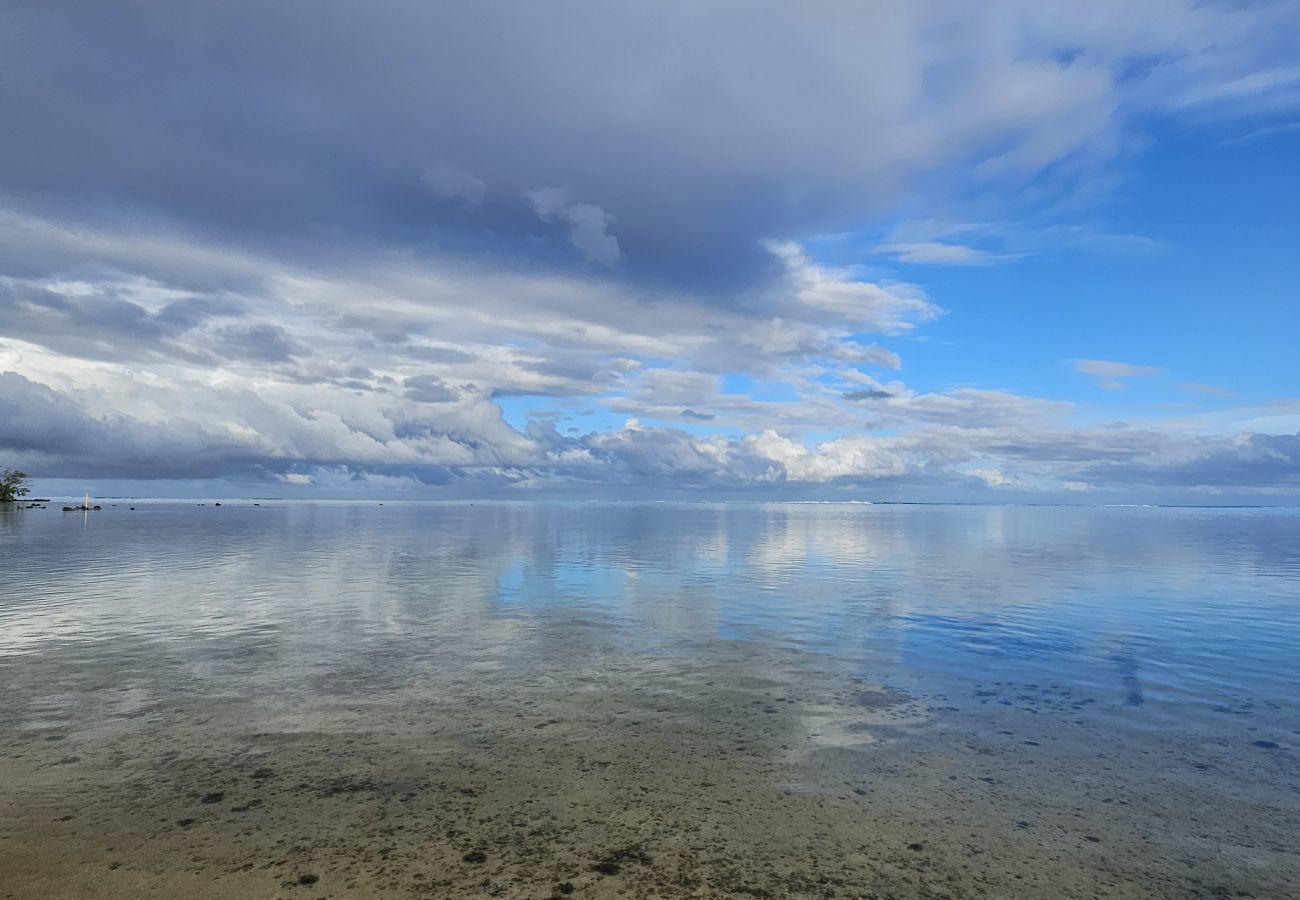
pixel 658 700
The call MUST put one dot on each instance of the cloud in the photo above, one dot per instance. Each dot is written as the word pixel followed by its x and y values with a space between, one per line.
pixel 1237 461
pixel 307 375
pixel 588 224
pixel 944 243
pixel 704 129
pixel 1260 134
pixel 1108 369
pixel 510 332
pixel 940 253
pixel 427 389
pixel 1254 87
pixel 839 292
pixel 290 439
pixel 447 182
pixel 869 394
pixel 1111 375
pixel 106 323
pixel 261 343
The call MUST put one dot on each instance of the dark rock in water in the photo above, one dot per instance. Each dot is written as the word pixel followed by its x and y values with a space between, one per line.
pixel 68 509
pixel 475 856
pixel 214 797
pixel 308 879
pixel 1266 745
pixel 612 864
pixel 97 506
pixel 216 504
pixel 1091 839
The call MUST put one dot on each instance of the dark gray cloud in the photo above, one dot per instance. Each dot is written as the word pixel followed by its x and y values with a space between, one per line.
pixel 868 394
pixel 428 389
pixel 1249 461
pixel 97 325
pixel 59 438
pixel 238 433
pixel 669 140
pixel 190 312
pixel 259 343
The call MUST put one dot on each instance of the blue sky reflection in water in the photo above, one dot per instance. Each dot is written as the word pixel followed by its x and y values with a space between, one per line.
pixel 1197 605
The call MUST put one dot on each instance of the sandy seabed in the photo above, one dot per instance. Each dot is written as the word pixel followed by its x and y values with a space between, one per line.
pixel 600 783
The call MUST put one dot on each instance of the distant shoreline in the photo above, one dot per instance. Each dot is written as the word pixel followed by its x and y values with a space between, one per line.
pixel 748 501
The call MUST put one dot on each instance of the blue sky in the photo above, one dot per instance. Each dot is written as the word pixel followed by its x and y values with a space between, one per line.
pixel 1211 298
pixel 928 251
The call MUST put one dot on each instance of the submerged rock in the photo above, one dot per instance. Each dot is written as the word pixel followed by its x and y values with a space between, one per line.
pixel 613 862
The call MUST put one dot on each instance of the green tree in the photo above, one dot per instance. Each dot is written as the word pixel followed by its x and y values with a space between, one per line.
pixel 12 485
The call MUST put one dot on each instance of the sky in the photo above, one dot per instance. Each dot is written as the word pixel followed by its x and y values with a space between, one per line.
pixel 925 251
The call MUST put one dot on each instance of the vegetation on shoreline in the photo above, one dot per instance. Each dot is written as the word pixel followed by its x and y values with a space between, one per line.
pixel 13 485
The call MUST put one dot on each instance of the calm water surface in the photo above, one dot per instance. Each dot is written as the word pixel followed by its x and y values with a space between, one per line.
pixel 662 700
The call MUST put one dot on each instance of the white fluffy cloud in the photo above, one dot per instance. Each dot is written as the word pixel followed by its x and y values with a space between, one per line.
pixel 390 373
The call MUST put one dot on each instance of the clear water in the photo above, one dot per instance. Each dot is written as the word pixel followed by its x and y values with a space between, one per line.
pixel 1038 690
